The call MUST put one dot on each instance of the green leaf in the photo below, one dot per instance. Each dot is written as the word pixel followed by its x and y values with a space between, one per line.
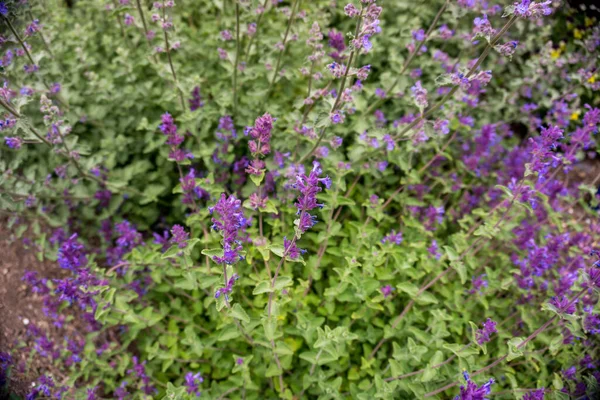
pixel 213 252
pixel 228 332
pixel 409 288
pixel 513 350
pixel 262 287
pixel 283 281
pixel 238 312
pixel 173 251
pixel 257 179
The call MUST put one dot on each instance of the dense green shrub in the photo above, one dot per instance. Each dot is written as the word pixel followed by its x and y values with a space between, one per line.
pixel 306 199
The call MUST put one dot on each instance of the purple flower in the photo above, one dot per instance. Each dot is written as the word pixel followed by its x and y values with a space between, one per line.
pixel 169 129
pixel 570 373
pixel 336 40
pixel 386 290
pixel 129 237
pixel 196 100
pixel 291 249
pixel 337 117
pixel 533 10
pixel 420 95
pixel 128 19
pixel 3 9
pixel 91 393
pixel 307 200
pixel 542 149
pixel 508 48
pixel 537 394
pixel 434 250
pixel 13 142
pixel 71 254
pixel 228 288
pixel 180 236
pixel 418 35
pixel 192 383
pixel 478 283
pixel 121 392
pixel 261 135
pixel 392 238
pixel 563 304
pixel 230 221
pixel 483 335
pixel 472 391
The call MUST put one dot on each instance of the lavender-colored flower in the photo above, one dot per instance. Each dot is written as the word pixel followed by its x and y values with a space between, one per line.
pixel 570 373
pixel 261 135
pixel 307 200
pixel 563 304
pixel 192 383
pixel 508 48
pixel 169 129
pixel 533 10
pixel 121 392
pixel 291 249
pixel 483 335
pixel 336 142
pixel 478 283
pixel 392 238
pixel 472 391
pixel 418 35
pixel 230 221
pixel 179 236
pixel 13 142
pixel 434 249
pixel 226 35
pixel 196 100
pixel 336 40
pixel 71 254
pixel 537 394
pixel 351 10
pixel 337 117
pixel 386 290
pixel 482 26
pixel 128 19
pixel 419 95
pixel 228 288
pixel 3 9
pixel 541 150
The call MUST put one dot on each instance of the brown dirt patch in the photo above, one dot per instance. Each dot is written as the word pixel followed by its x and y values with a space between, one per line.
pixel 19 307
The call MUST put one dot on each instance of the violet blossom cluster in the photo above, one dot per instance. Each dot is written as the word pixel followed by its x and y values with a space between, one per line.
pixel 228 219
pixel 308 186
pixel 484 334
pixel 472 391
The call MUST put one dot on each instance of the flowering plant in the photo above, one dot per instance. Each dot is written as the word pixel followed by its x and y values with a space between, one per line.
pixel 287 199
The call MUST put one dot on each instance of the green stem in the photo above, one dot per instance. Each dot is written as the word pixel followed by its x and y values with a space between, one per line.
pixel 287 32
pixel 168 51
pixel 237 56
pixel 255 36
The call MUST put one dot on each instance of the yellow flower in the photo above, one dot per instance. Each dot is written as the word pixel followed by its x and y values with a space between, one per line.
pixel 555 53
pixel 577 34
pixel 575 116
pixel 592 78
pixel 589 21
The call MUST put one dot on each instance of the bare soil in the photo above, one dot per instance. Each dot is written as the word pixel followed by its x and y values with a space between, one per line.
pixel 19 307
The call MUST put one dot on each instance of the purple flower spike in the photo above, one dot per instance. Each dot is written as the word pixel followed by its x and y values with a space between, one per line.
pixel 180 236
pixel 230 221
pixel 472 391
pixel 483 335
